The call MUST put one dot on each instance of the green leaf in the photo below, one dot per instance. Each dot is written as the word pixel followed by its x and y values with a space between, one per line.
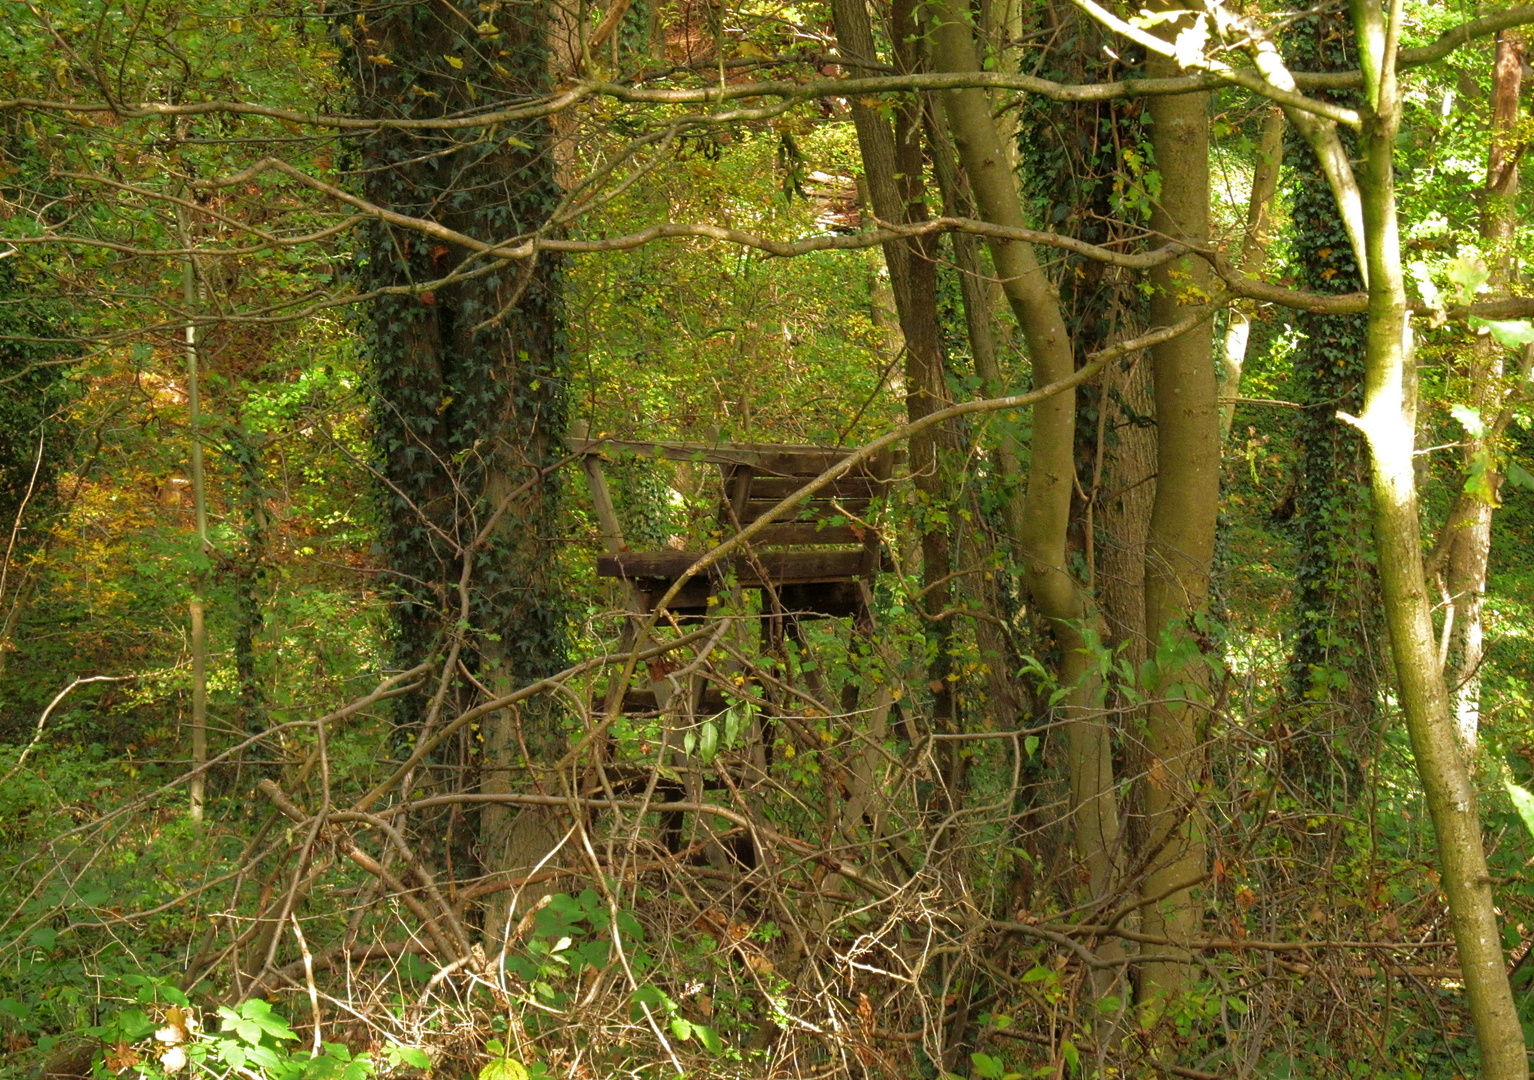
pixel 1518 476
pixel 1469 277
pixel 1031 745
pixel 1510 333
pixel 1523 802
pixel 986 1066
pixel 1469 419
pixel 709 1038
pixel 681 1028
pixel 708 742
pixel 413 1056
pixel 1480 479
pixel 504 1068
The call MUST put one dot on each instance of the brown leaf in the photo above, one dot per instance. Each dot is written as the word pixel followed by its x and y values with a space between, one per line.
pixel 122 1056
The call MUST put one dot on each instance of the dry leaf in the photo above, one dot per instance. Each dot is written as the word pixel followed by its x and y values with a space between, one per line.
pixel 173 1060
pixel 122 1056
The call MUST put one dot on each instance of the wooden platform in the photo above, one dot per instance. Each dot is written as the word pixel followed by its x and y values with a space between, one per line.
pixel 817 559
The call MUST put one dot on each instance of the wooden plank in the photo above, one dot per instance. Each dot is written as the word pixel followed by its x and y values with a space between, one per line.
pixel 810 512
pixel 778 459
pixel 800 534
pixel 778 488
pixel 780 566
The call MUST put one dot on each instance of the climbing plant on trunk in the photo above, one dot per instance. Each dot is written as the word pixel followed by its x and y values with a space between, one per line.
pixel 468 363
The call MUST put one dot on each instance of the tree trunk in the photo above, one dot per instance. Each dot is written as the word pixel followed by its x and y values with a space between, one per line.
pixel 1333 668
pixel 894 172
pixel 1252 261
pixel 1465 549
pixel 1042 518
pixel 1179 550
pixel 470 377
pixel 1387 424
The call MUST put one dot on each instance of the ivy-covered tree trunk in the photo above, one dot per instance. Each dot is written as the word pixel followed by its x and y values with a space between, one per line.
pixel 1086 166
pixel 469 369
pixel 1332 665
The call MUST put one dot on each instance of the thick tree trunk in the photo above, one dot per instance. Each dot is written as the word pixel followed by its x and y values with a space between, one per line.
pixel 470 377
pixel 1387 424
pixel 1465 549
pixel 1042 520
pixel 1333 666
pixel 1179 550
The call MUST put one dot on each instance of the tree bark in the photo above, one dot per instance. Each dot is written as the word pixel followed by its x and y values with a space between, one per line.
pixel 1042 518
pixel 1464 551
pixel 1387 424
pixel 894 171
pixel 1179 550
pixel 1252 261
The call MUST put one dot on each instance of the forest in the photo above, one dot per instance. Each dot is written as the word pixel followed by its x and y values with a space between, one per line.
pixel 945 539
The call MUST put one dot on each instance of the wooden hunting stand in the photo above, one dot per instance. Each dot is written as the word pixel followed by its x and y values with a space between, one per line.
pixel 818 559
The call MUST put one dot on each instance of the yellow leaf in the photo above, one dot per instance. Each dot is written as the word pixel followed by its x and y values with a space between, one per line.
pixel 453 62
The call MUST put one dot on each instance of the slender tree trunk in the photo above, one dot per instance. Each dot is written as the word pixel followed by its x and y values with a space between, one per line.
pixel 1465 549
pixel 1387 423
pixel 1042 518
pixel 197 606
pixel 894 171
pixel 1252 261
pixel 1179 549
